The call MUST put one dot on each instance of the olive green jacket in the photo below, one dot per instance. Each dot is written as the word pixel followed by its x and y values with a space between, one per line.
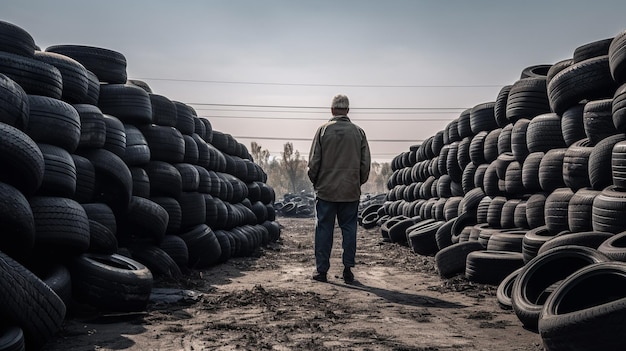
pixel 339 160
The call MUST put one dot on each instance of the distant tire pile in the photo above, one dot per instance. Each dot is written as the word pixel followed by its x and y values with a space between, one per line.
pixel 527 192
pixel 295 205
pixel 93 165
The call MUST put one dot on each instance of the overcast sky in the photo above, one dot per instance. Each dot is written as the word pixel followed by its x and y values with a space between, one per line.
pixel 387 56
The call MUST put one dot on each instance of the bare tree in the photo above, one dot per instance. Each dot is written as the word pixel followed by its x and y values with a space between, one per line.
pixel 261 156
pixel 293 165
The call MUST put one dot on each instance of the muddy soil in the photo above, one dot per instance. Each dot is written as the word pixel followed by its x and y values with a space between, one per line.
pixel 268 302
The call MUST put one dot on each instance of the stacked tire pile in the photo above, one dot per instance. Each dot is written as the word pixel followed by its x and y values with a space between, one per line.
pixel 528 192
pixel 296 205
pixel 106 185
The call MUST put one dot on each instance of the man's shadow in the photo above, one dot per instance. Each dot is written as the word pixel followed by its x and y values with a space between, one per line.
pixel 399 297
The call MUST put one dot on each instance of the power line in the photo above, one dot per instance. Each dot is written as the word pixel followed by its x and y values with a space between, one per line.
pixel 326 119
pixel 326 107
pixel 472 86
pixel 322 112
pixel 309 139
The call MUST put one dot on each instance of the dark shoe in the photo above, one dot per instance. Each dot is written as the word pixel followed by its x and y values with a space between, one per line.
pixel 320 277
pixel 348 276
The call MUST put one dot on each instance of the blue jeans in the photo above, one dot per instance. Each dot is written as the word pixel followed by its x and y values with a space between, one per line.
pixel 346 214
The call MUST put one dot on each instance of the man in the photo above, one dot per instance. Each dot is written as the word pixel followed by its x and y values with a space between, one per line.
pixel 339 163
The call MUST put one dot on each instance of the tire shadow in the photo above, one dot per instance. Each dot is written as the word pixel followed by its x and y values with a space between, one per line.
pixel 399 297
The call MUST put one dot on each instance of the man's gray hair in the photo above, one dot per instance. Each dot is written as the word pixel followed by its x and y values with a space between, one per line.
pixel 340 102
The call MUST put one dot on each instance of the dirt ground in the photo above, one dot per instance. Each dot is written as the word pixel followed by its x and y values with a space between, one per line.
pixel 268 302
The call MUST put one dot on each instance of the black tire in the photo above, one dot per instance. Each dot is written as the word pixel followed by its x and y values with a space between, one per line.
pixel 61 226
pixel 204 248
pixel 115 136
pixel 421 237
pixel 29 303
pixel 499 109
pixel 184 118
pixel 513 184
pixel 490 148
pixel 491 267
pixel 528 98
pixel 370 220
pixel 587 239
pixel 48 114
pixel 535 206
pixel 600 174
pixel 59 177
pixel 165 179
pixel 102 214
pixel 530 172
pixel 463 127
pixel 443 236
pixel 177 249
pixel 518 140
pixel 598 120
pixel 141 182
pixel 618 109
pixel 93 89
pixel 144 221
pixel 225 245
pixel 572 126
pixel 551 170
pixel 17 224
pixel 607 212
pixel 34 76
pixel 585 310
pixel 111 282
pixel 482 117
pixel 614 247
pixel 174 212
pixel 476 149
pixel 617 58
pixel 92 126
pixel 579 210
pixel 542 272
pixel 192 152
pixel 57 277
pixel 14 108
pixel 452 164
pixel 137 151
pixel 157 260
pixel 12 339
pixel 491 185
pixel 204 153
pixel 519 216
pixel 166 143
pixel 193 209
pixel 535 71
pixel 575 165
pixel 101 239
pixel 504 139
pixel 163 111
pixel 534 240
pixel 190 176
pixel 507 220
pixel 556 210
pixel 16 40
pixel 510 241
pixel 618 165
pixel 451 260
pixel 74 75
pixel 591 50
pixel 141 84
pixel 494 212
pixel 108 65
pixel 114 182
pixel 587 80
pixel 544 133
pixel 129 103
pixel 467 180
pixel 503 293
